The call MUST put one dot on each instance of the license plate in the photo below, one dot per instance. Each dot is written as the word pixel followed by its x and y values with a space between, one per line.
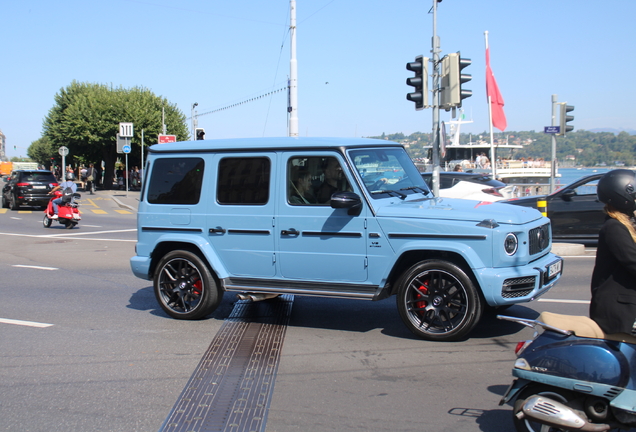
pixel 39 187
pixel 554 269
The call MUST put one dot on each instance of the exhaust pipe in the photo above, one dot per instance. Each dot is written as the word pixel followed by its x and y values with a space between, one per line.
pixel 552 413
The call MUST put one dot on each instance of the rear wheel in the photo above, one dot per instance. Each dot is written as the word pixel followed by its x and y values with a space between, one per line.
pixel 14 203
pixel 438 301
pixel 554 393
pixel 185 287
pixel 5 203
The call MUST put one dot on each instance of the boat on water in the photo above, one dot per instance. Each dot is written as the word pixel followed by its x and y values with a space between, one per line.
pixel 476 157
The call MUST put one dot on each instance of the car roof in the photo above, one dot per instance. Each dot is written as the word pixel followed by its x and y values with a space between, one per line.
pixel 280 143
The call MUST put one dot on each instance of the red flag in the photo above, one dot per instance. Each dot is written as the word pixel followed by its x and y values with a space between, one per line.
pixel 496 100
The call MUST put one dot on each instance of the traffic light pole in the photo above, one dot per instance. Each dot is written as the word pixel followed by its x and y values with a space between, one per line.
pixel 435 103
pixel 553 157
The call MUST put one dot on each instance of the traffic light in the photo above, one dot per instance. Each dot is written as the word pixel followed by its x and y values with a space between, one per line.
pixel 452 90
pixel 419 81
pixel 565 118
pixel 199 133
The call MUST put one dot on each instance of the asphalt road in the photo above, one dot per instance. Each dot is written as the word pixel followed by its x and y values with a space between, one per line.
pixel 111 360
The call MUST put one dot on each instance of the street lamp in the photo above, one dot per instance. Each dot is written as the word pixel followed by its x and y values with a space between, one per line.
pixel 194 105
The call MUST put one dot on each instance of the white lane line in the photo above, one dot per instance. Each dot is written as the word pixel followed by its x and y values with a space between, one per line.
pixel 564 301
pixel 24 323
pixel 90 233
pixel 34 267
pixel 69 237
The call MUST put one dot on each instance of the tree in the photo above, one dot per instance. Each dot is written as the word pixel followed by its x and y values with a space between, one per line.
pixel 41 151
pixel 86 117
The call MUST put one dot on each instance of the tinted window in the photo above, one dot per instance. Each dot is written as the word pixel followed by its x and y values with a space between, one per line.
pixel 46 177
pixel 176 181
pixel 243 181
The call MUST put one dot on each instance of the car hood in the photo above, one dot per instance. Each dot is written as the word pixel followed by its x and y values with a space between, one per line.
pixel 458 209
pixel 529 200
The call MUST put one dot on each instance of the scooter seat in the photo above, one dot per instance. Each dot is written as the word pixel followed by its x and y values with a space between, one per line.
pixel 582 326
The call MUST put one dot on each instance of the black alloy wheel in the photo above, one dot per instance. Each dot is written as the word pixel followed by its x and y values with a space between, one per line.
pixel 185 287
pixel 438 301
pixel 14 202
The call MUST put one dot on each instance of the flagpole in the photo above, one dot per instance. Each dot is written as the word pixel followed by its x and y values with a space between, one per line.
pixel 493 157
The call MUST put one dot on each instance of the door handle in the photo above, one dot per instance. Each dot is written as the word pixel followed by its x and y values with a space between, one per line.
pixel 290 232
pixel 217 230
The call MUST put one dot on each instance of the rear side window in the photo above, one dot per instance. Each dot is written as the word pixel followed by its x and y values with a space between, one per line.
pixel 243 181
pixel 176 181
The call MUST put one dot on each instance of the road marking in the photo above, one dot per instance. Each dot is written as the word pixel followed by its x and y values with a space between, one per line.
pixel 24 323
pixel 70 236
pixel 3 211
pixel 34 267
pixel 123 212
pixel 564 301
pixel 98 211
pixel 15 218
pixel 92 203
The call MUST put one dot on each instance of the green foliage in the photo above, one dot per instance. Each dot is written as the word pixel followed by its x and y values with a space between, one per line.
pixel 41 151
pixel 86 117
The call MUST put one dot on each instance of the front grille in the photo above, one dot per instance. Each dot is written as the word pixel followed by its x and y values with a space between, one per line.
pixel 518 287
pixel 539 239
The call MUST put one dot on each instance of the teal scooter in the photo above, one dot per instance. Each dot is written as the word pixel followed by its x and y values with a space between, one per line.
pixel 572 377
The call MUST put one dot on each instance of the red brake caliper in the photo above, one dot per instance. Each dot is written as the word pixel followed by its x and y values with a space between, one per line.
pixel 420 305
pixel 197 287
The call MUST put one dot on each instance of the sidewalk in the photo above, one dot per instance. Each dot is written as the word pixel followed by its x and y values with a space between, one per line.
pixel 128 200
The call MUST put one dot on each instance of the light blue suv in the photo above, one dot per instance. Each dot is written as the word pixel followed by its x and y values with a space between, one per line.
pixel 331 217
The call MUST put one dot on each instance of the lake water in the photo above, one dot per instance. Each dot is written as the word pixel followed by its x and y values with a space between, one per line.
pixel 569 175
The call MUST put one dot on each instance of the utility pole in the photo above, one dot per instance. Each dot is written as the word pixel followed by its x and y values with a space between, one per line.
pixel 293 75
pixel 194 105
pixel 553 158
pixel 436 124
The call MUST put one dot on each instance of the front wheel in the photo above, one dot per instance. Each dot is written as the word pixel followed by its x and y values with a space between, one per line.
pixel 528 425
pixel 47 221
pixel 185 287
pixel 438 301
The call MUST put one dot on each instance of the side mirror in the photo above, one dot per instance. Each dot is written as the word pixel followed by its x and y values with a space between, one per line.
pixel 568 194
pixel 348 200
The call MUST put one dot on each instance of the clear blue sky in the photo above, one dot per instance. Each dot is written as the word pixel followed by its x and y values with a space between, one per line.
pixel 351 60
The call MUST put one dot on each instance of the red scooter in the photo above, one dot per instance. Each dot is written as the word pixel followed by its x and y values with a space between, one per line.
pixel 67 212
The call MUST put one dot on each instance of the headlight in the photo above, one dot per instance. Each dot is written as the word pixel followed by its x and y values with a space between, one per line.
pixel 510 244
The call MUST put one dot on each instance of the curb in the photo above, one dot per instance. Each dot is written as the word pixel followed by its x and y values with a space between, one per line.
pixel 568 249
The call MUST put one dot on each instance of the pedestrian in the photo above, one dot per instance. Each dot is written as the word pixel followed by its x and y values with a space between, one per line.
pixel 613 304
pixel 91 176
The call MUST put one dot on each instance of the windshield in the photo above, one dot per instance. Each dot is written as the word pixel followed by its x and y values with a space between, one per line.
pixel 386 171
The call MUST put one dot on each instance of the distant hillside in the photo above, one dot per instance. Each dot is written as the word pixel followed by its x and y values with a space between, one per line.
pixel 580 147
pixel 614 131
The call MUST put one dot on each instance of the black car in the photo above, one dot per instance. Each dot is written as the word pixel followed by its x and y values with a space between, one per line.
pixel 575 212
pixel 27 188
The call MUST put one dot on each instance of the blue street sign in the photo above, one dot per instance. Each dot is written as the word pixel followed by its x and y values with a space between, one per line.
pixel 552 129
pixel 126 149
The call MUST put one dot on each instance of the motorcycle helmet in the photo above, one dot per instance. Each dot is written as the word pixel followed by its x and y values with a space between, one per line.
pixel 617 189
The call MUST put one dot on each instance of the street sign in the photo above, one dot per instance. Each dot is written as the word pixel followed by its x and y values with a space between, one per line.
pixel 126 130
pixel 126 149
pixel 63 151
pixel 167 138
pixel 552 129
pixel 121 142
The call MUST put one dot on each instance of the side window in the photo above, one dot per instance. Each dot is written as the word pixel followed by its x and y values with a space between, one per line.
pixel 312 180
pixel 243 181
pixel 176 181
pixel 588 188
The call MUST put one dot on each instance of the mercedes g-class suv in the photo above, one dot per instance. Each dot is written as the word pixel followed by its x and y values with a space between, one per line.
pixel 330 217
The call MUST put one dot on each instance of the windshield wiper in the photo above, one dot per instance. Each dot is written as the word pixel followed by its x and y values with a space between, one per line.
pixel 390 192
pixel 419 188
